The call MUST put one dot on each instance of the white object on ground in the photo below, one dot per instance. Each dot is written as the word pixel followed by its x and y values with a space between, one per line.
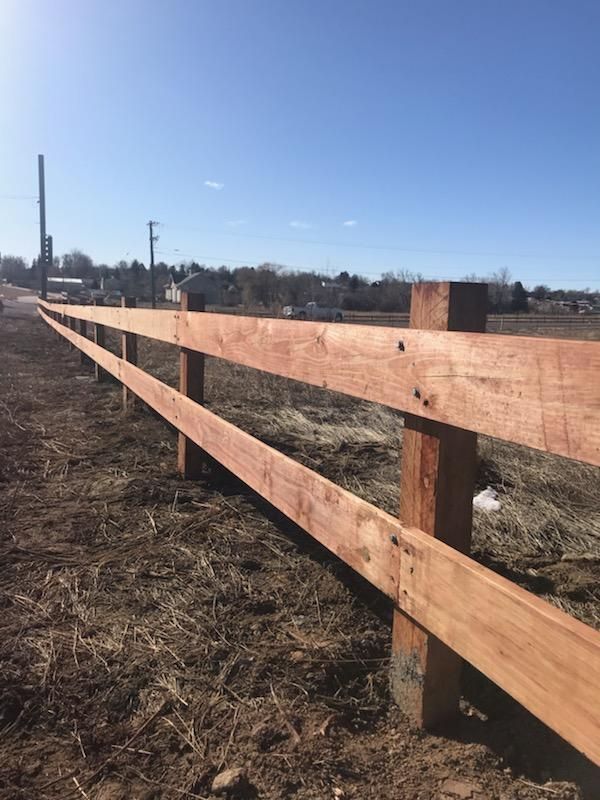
pixel 487 500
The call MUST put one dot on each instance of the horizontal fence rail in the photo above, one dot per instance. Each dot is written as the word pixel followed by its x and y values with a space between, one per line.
pixel 544 658
pixel 495 322
pixel 542 393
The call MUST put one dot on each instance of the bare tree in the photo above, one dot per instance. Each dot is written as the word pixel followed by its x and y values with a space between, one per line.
pixel 13 269
pixel 500 290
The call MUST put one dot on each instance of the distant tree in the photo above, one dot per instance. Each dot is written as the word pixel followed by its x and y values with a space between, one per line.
pixel 13 269
pixel 354 283
pixel 226 275
pixel 519 297
pixel 361 300
pixel 133 278
pixel 77 264
pixel 541 292
pixel 499 291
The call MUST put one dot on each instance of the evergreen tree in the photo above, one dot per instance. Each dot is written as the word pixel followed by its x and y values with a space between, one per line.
pixel 519 297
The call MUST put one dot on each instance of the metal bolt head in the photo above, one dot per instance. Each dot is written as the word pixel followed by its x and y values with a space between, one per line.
pixel 416 393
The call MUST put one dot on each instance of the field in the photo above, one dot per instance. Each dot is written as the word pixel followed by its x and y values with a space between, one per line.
pixel 156 632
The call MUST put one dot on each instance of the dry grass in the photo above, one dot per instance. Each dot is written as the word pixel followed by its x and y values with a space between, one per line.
pixel 155 631
pixel 546 535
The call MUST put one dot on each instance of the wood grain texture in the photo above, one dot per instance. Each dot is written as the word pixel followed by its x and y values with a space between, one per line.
pixel 436 495
pixel 544 658
pixel 542 393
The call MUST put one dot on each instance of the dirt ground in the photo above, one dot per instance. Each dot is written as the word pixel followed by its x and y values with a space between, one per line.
pixel 155 632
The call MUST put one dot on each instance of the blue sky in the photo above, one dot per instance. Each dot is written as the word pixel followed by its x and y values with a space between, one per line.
pixel 457 137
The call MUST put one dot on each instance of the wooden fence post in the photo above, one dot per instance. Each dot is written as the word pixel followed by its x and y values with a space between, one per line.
pixel 72 323
pixel 190 457
pixel 99 339
pixel 83 332
pixel 436 495
pixel 61 315
pixel 128 353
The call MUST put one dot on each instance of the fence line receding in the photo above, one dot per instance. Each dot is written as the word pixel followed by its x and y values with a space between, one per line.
pixel 451 384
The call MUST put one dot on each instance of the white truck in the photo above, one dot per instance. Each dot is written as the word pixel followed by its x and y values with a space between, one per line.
pixel 314 311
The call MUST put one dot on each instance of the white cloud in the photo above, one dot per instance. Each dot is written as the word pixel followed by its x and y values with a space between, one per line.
pixel 235 222
pixel 349 223
pixel 298 223
pixel 214 185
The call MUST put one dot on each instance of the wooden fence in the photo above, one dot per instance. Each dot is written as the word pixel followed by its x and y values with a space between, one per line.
pixel 496 323
pixel 451 382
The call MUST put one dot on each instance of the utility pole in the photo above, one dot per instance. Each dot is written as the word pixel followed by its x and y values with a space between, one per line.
pixel 42 201
pixel 153 239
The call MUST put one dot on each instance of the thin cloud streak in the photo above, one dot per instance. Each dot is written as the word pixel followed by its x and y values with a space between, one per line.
pixel 300 224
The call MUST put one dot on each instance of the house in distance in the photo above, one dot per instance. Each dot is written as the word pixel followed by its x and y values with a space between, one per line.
pixel 199 283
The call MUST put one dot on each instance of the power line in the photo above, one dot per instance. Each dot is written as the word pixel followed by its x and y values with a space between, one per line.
pixel 18 197
pixel 398 248
pixel 247 261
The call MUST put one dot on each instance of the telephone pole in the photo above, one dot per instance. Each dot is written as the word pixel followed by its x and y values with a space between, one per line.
pixel 153 239
pixel 43 246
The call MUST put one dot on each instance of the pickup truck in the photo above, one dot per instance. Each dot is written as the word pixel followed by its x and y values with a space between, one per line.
pixel 313 311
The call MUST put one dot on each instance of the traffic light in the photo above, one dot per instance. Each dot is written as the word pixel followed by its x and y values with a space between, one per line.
pixel 47 254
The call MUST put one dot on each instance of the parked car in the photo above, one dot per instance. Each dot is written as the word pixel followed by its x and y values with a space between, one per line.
pixel 314 311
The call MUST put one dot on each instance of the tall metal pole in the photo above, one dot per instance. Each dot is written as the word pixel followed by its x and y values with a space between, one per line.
pixel 152 276
pixel 42 200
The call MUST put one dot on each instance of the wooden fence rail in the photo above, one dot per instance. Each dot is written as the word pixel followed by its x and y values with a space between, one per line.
pixel 543 393
pixel 495 323
pixel 398 319
pixel 544 658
